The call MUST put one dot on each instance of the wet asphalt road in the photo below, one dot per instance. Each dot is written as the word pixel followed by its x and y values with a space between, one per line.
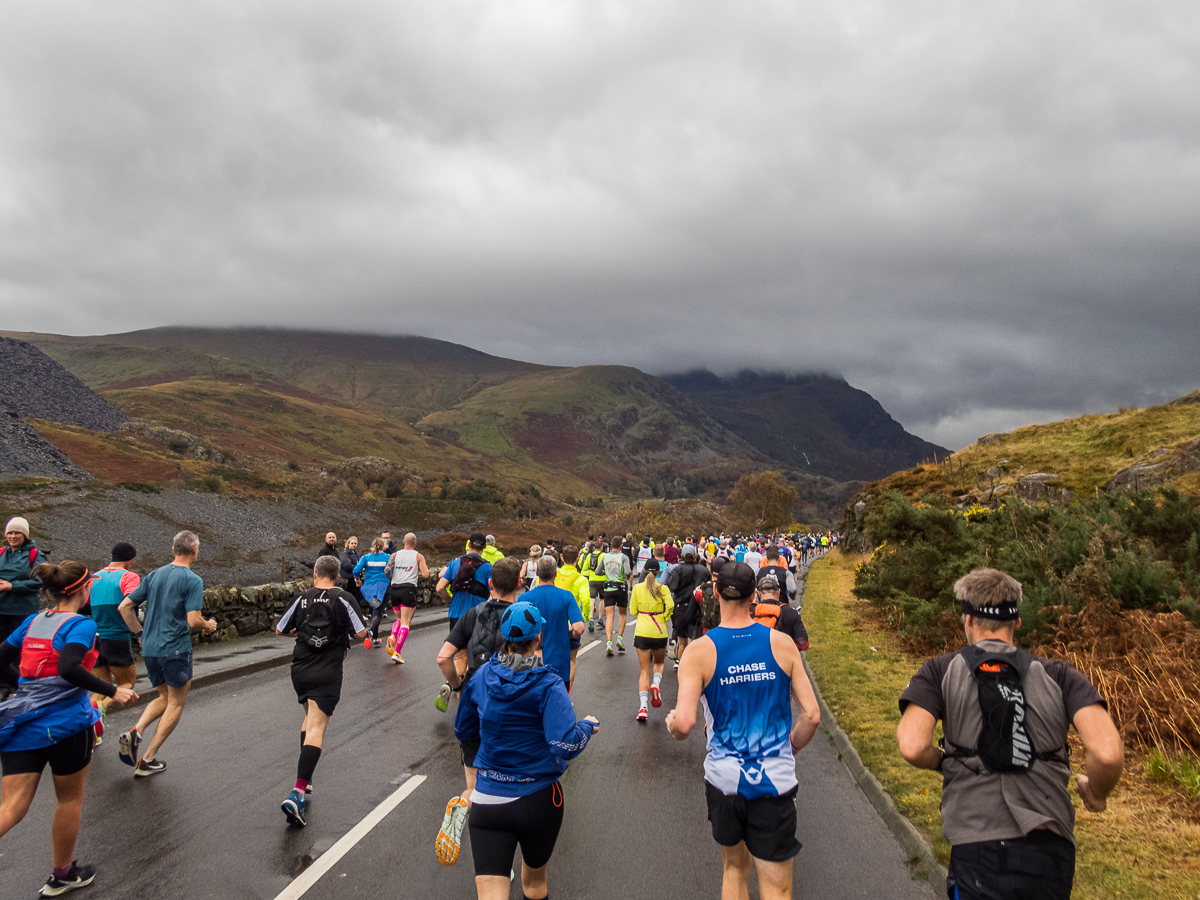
pixel 635 826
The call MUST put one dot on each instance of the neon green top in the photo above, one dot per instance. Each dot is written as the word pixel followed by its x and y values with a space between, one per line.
pixel 653 611
pixel 569 579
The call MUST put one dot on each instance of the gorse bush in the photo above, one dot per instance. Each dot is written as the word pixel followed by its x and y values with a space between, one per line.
pixel 1139 551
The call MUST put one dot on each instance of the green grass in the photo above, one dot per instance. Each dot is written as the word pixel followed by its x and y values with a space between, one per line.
pixel 1145 845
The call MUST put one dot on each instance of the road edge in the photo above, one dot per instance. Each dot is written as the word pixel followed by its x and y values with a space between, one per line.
pixel 920 853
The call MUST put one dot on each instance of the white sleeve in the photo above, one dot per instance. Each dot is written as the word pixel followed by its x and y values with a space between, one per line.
pixel 356 624
pixel 281 625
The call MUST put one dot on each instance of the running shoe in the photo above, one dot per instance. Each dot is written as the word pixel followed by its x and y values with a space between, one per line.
pixel 397 658
pixel 308 790
pixel 449 839
pixel 391 644
pixel 655 696
pixel 378 643
pixel 676 667
pixel 643 714
pixel 78 877
pixel 442 702
pixel 293 808
pixel 620 643
pixel 127 747
pixel 609 651
pixel 591 625
pixel 367 643
pixel 147 767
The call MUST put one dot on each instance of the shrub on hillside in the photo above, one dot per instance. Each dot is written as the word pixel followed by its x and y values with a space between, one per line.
pixel 1137 551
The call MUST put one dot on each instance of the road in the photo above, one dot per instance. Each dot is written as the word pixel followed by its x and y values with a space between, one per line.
pixel 210 825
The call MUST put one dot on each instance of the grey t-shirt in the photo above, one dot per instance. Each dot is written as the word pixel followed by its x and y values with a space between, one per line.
pixel 978 805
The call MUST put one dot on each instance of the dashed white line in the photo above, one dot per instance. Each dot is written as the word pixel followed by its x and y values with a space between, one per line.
pixel 329 858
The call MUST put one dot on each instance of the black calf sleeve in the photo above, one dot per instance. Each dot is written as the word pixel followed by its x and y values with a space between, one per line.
pixel 302 736
pixel 309 755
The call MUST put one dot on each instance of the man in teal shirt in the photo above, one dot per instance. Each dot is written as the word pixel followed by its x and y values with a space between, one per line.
pixel 174 597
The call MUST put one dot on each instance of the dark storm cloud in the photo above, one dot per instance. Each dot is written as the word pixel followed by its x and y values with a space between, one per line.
pixel 984 216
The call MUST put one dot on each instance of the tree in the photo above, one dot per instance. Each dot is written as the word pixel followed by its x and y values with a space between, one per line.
pixel 762 502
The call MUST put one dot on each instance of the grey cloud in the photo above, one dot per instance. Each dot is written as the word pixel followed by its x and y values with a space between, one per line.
pixel 976 214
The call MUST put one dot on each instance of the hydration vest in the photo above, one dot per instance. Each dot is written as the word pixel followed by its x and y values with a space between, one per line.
pixel 39 659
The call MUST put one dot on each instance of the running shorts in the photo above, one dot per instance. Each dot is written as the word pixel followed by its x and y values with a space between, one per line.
pixel 766 824
pixel 402 595
pixel 173 671
pixel 619 598
pixel 66 757
pixel 595 587
pixel 325 694
pixel 1039 866
pixel 689 631
pixel 576 643
pixel 645 643
pixel 467 751
pixel 118 654
pixel 532 822
pixel 453 622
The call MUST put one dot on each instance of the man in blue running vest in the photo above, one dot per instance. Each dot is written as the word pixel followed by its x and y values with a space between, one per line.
pixel 746 675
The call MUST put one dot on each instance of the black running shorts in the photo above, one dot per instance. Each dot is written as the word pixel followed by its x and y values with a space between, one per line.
pixel 532 822
pixel 325 694
pixel 645 643
pixel 118 654
pixel 1039 866
pixel 595 587
pixel 467 751
pixel 766 824
pixel 66 757
pixel 618 598
pixel 401 595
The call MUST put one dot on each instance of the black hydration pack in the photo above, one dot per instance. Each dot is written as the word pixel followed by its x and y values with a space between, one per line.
pixel 465 579
pixel 485 638
pixel 1004 744
pixel 316 628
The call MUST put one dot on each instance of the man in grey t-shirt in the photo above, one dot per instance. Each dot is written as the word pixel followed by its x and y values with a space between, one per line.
pixel 173 597
pixel 1010 825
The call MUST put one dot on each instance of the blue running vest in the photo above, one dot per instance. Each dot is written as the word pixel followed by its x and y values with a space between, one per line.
pixel 748 708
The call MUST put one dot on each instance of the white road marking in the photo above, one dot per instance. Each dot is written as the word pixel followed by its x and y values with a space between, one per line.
pixel 330 857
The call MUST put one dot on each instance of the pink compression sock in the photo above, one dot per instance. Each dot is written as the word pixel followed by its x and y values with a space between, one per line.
pixel 396 630
pixel 402 638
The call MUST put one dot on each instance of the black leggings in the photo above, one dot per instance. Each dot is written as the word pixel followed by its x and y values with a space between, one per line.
pixel 532 821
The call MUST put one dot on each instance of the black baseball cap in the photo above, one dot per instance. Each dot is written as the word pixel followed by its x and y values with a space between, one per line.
pixel 477 539
pixel 768 582
pixel 735 581
pixel 651 566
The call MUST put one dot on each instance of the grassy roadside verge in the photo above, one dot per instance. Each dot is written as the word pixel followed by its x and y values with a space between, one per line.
pixel 1147 845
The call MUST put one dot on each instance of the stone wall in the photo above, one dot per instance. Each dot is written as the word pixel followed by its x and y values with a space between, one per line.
pixel 242 611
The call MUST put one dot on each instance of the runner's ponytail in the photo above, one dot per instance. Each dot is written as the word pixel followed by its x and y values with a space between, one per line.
pixel 62 580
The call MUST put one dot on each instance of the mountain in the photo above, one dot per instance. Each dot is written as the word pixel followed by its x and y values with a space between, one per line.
pixel 267 410
pixel 815 423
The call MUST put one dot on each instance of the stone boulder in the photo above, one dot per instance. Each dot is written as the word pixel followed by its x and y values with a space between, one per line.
pixel 1159 467
pixel 1037 486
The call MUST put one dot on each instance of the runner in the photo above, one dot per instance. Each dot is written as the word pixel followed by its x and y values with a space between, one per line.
pixel 644 553
pixel 592 566
pixel 770 610
pixel 372 568
pixel 529 568
pixel 564 619
pixel 463 583
pixel 477 633
pixel 617 570
pixel 772 564
pixel 405 567
pixel 746 676
pixel 174 597
pixel 525 739
pixel 322 620
pixel 111 585
pixel 651 605
pixel 683 581
pixel 570 579
pixel 50 720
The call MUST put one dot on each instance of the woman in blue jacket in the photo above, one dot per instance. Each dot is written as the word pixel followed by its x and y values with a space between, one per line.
pixel 521 714
pixel 371 568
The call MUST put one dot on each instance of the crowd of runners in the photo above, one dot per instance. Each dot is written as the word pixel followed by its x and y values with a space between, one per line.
pixel 509 665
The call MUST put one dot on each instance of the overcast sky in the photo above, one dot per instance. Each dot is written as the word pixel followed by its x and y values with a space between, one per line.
pixel 984 214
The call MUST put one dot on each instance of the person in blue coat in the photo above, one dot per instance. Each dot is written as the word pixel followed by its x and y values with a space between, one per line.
pixel 521 714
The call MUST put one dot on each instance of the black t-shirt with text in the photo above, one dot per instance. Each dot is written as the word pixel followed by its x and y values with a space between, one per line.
pixel 312 664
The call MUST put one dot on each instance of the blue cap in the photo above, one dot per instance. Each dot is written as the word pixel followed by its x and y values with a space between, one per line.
pixel 521 622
